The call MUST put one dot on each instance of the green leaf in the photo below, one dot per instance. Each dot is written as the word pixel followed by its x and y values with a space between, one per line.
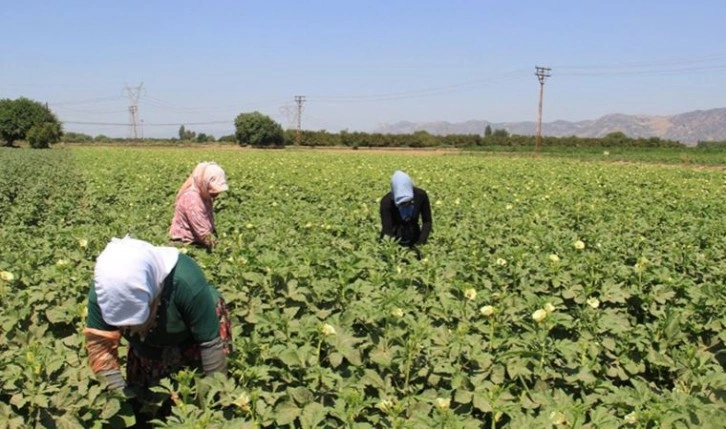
pixel 609 343
pixel 110 408
pixel 382 355
pixel 18 400
pixel 312 415
pixel 57 315
pixel 345 345
pixel 462 396
pixel 286 413
pixel 481 402
pixel 371 378
pixel 335 359
pixel 301 395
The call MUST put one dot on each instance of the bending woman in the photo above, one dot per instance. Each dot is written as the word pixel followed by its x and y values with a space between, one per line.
pixel 193 220
pixel 160 302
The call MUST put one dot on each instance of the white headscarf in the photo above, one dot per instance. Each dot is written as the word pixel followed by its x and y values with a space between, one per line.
pixel 129 274
pixel 401 187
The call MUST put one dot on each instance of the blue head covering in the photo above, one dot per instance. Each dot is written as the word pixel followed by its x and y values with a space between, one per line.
pixel 402 190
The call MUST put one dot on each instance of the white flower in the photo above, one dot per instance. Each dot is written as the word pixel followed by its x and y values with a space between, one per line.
pixel 549 308
pixel 487 310
pixel 457 201
pixel 593 302
pixel 539 315
pixel 385 405
pixel 443 403
pixel 327 330
pixel 7 276
pixel 243 401
pixel 61 262
pixel 606 153
pixel 249 226
pixel 438 203
pixel 501 262
pixel 579 245
pixel 631 418
pixel 470 294
pixel 83 243
pixel 554 258
pixel 509 207
pixel 397 312
pixel 641 264
pixel 557 418
pixel 183 250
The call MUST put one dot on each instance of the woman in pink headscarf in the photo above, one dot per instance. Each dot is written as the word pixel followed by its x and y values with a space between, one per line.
pixel 193 220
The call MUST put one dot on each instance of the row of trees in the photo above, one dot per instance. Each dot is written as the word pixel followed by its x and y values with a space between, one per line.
pixel 25 119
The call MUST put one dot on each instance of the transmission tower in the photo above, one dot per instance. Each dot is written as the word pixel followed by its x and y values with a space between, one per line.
pixel 287 112
pixel 299 100
pixel 542 73
pixel 133 92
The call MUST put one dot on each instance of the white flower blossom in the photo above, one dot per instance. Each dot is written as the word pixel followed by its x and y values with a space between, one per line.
pixel 579 245
pixel 487 310
pixel 501 262
pixel 554 258
pixel 593 302
pixel 443 403
pixel 7 276
pixel 470 294
pixel 385 405
pixel 327 330
pixel 557 418
pixel 549 308
pixel 539 315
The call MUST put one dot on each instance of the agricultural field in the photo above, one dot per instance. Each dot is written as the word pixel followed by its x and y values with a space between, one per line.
pixel 552 293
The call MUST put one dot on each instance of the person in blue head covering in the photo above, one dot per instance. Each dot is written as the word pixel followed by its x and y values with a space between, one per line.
pixel 406 212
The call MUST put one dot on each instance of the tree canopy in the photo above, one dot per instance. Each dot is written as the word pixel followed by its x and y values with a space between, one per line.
pixel 24 118
pixel 256 129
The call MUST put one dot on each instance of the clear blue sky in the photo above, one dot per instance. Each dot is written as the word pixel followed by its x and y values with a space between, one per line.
pixel 360 63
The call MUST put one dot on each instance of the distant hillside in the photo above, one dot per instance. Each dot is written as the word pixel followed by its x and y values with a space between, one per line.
pixel 688 128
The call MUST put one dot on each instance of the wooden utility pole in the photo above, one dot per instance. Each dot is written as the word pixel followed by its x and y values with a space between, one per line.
pixel 542 73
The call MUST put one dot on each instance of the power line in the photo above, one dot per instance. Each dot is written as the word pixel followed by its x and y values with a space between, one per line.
pixel 158 124
pixel 87 101
pixel 510 75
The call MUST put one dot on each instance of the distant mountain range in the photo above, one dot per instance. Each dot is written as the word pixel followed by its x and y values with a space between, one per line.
pixel 687 128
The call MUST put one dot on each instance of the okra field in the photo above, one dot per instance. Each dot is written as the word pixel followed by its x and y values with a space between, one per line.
pixel 552 293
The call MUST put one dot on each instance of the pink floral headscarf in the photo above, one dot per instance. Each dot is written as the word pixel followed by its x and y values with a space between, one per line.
pixel 207 178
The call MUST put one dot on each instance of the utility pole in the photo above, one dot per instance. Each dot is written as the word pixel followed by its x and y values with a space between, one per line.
pixel 299 100
pixel 133 92
pixel 542 73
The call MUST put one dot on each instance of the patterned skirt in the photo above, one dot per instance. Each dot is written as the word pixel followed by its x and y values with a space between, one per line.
pixel 144 372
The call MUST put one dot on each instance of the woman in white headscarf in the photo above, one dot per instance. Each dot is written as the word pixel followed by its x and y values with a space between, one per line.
pixel 159 301
pixel 406 212
pixel 193 220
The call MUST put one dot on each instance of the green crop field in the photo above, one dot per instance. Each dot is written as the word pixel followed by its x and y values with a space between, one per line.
pixel 553 292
